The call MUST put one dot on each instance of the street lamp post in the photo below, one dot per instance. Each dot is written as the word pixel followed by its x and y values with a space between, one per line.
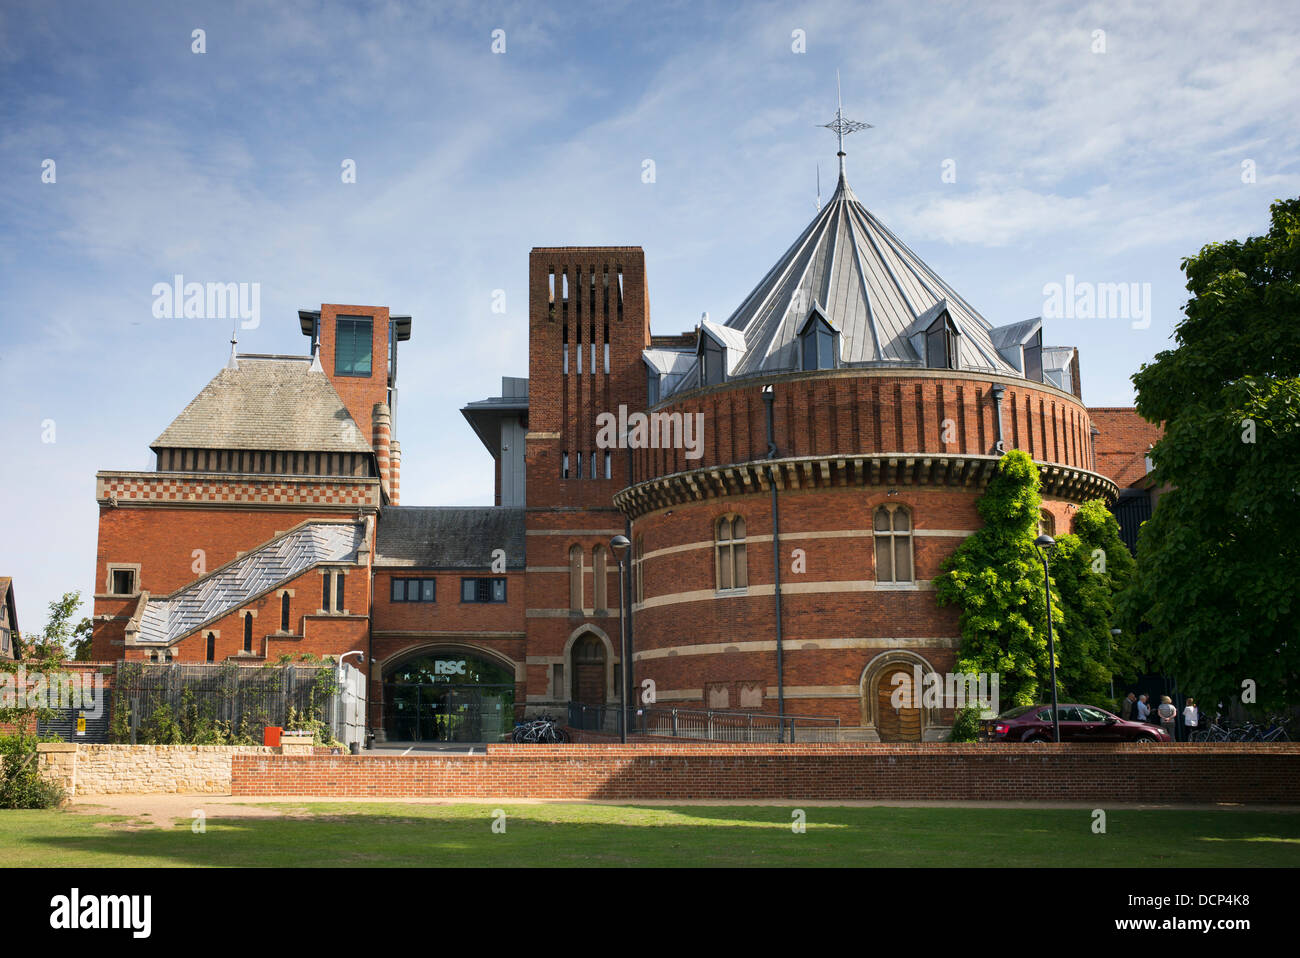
pixel 619 546
pixel 1114 636
pixel 1043 543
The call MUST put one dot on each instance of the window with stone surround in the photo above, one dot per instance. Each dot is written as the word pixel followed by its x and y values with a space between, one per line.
pixel 729 550
pixel 892 529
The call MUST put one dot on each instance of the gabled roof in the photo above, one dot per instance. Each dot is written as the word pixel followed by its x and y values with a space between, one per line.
pixel 437 537
pixel 872 288
pixel 168 618
pixel 267 403
pixel 6 596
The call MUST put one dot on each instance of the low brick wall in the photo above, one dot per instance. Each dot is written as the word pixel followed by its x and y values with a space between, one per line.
pixel 142 769
pixel 1109 773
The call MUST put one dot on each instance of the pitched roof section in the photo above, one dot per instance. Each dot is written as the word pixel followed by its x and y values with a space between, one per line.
pixel 870 285
pixel 438 537
pixel 175 616
pixel 277 404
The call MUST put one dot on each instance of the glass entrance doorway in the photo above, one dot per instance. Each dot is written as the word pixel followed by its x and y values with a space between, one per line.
pixel 448 698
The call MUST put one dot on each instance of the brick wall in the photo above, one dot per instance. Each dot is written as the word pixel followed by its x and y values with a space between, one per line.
pixel 864 411
pixel 1172 773
pixel 1122 443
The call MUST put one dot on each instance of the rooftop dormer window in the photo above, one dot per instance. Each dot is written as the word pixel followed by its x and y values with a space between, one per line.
pixel 818 342
pixel 713 362
pixel 941 343
pixel 1034 358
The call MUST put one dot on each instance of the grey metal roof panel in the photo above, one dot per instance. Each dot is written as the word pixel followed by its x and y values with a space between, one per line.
pixel 666 362
pixel 1015 334
pixel 168 618
pixel 449 537
pixel 272 404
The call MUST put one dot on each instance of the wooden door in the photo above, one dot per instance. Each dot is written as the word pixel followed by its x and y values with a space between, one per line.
pixel 896 725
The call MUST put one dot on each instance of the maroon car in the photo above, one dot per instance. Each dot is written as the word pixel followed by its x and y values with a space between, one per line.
pixel 1079 723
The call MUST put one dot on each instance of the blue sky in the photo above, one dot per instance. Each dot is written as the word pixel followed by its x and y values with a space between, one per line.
pixel 225 167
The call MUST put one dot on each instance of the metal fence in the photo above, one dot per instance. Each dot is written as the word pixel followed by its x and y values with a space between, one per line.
pixel 150 699
pixel 705 725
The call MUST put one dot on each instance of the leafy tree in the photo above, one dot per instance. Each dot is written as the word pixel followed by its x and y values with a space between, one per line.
pixel 1219 560
pixel 995 576
pixel 1089 567
pixel 82 635
pixel 21 785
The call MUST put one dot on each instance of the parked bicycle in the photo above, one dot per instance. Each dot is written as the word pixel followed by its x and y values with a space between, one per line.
pixel 540 731
pixel 1275 731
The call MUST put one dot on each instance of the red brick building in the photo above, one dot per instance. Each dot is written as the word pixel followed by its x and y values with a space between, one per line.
pixel 835 432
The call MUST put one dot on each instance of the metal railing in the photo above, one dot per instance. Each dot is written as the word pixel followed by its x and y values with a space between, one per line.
pixel 705 725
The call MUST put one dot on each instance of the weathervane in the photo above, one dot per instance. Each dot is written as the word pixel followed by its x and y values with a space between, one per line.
pixel 840 125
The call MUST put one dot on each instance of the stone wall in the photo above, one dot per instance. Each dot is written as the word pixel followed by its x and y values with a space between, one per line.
pixel 142 769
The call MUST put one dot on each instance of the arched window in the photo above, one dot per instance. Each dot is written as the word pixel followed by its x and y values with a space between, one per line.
pixel 1046 523
pixel 729 546
pixel 600 580
pixel 284 612
pixel 892 527
pixel 588 671
pixel 248 632
pixel 212 647
pixel 638 557
pixel 575 578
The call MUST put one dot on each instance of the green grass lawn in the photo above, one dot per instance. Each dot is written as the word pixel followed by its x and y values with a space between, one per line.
pixel 564 835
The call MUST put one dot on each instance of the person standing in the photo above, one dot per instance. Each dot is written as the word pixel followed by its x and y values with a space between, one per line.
pixel 1167 714
pixel 1126 707
pixel 1191 717
pixel 1143 710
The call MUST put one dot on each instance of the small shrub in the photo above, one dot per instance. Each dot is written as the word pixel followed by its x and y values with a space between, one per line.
pixel 966 726
pixel 21 784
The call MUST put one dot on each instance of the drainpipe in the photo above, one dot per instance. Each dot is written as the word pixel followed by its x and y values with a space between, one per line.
pixel 998 390
pixel 768 397
pixel 629 673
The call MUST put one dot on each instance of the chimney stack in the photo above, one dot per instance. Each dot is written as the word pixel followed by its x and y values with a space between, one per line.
pixel 381 421
pixel 395 469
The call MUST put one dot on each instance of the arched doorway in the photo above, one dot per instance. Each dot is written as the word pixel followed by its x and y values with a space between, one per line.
pixel 897 724
pixel 903 671
pixel 588 657
pixel 448 696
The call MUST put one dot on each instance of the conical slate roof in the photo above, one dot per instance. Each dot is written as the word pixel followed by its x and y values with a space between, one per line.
pixel 869 285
